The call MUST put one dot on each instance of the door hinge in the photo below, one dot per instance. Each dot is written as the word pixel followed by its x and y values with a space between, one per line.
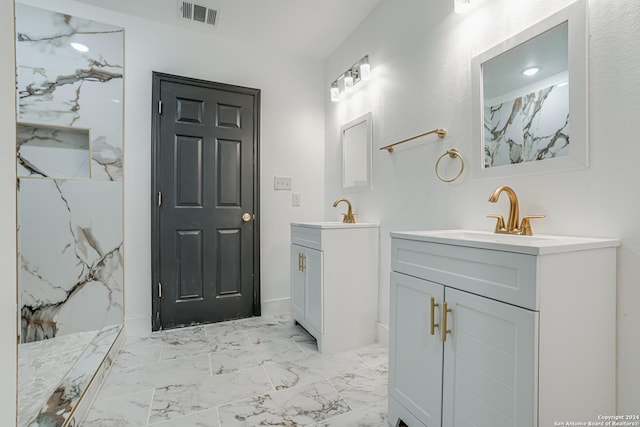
pixel 160 107
pixel 159 290
pixel 159 198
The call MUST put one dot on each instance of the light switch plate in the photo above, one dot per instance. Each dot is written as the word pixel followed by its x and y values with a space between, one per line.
pixel 295 199
pixel 282 183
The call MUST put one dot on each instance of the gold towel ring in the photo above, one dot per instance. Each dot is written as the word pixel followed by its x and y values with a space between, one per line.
pixel 452 153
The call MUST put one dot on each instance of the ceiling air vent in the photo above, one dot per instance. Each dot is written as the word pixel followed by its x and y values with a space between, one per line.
pixel 198 13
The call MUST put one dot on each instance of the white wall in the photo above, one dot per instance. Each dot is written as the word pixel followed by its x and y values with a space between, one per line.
pixel 292 138
pixel 8 281
pixel 420 54
pixel 291 142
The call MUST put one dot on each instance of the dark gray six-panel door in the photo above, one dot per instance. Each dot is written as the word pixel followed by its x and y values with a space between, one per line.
pixel 205 178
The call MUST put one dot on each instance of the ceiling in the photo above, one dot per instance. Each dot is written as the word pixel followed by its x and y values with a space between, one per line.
pixel 312 28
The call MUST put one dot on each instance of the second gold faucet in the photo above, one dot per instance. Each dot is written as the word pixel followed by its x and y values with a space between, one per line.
pixel 512 226
pixel 346 217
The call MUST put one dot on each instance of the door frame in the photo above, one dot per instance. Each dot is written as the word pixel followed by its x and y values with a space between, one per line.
pixel 158 78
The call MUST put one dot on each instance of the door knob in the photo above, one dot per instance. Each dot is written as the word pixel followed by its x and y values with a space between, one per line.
pixel 246 217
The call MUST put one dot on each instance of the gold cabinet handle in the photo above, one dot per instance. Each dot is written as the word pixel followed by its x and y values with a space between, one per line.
pixel 445 331
pixel 304 262
pixel 299 261
pixel 434 325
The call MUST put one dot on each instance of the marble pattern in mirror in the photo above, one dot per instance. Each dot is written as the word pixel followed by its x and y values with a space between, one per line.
pixel 527 120
pixel 536 122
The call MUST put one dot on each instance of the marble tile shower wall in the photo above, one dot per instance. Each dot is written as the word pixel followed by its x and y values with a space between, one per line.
pixel 69 190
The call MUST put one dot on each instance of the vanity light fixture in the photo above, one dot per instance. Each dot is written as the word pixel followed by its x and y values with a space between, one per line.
pixel 360 71
pixel 531 71
pixel 365 69
pixel 335 92
pixel 79 47
pixel 348 81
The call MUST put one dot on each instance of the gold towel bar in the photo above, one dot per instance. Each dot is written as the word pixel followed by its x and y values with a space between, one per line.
pixel 441 133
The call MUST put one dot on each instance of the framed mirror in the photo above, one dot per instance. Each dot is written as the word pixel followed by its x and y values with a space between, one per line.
pixel 356 137
pixel 530 100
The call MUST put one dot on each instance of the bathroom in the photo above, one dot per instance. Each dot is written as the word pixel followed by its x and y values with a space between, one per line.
pixel 421 63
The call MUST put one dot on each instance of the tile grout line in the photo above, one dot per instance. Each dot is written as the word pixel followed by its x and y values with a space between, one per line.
pixel 268 377
pixel 153 395
pixel 120 396
pixel 363 364
pixel 160 352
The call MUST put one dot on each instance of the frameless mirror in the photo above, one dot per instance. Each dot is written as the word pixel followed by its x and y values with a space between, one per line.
pixel 356 137
pixel 530 98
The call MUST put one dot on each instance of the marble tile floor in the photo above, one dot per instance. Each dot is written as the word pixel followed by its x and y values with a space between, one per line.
pixel 39 374
pixel 262 371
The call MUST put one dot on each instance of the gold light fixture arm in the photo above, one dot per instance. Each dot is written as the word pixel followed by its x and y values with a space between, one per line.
pixel 441 133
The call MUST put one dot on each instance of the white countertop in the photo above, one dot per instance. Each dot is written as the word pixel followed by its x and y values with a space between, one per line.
pixel 531 245
pixel 335 224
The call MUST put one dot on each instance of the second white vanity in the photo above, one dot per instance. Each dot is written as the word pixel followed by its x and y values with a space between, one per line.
pixel 334 282
pixel 500 330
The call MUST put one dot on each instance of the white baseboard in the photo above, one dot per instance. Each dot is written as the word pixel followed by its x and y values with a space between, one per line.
pixel 140 326
pixel 276 306
pixel 382 334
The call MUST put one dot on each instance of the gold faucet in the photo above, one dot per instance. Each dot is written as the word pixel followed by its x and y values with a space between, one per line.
pixel 512 226
pixel 348 217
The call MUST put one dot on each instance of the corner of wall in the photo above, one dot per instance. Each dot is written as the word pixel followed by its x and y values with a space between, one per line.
pixel 8 261
pixel 137 326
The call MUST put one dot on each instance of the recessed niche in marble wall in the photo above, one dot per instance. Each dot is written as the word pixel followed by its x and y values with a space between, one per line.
pixel 53 152
pixel 67 86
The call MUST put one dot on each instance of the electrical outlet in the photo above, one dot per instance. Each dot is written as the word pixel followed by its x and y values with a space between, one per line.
pixel 295 199
pixel 282 183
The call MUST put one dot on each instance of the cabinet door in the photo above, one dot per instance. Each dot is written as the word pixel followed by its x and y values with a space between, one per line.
pixel 297 282
pixel 415 356
pixel 489 363
pixel 313 293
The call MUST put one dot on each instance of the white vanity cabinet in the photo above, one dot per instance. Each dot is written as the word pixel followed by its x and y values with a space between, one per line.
pixel 532 329
pixel 334 282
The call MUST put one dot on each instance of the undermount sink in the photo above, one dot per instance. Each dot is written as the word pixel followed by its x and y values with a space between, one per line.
pixel 534 245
